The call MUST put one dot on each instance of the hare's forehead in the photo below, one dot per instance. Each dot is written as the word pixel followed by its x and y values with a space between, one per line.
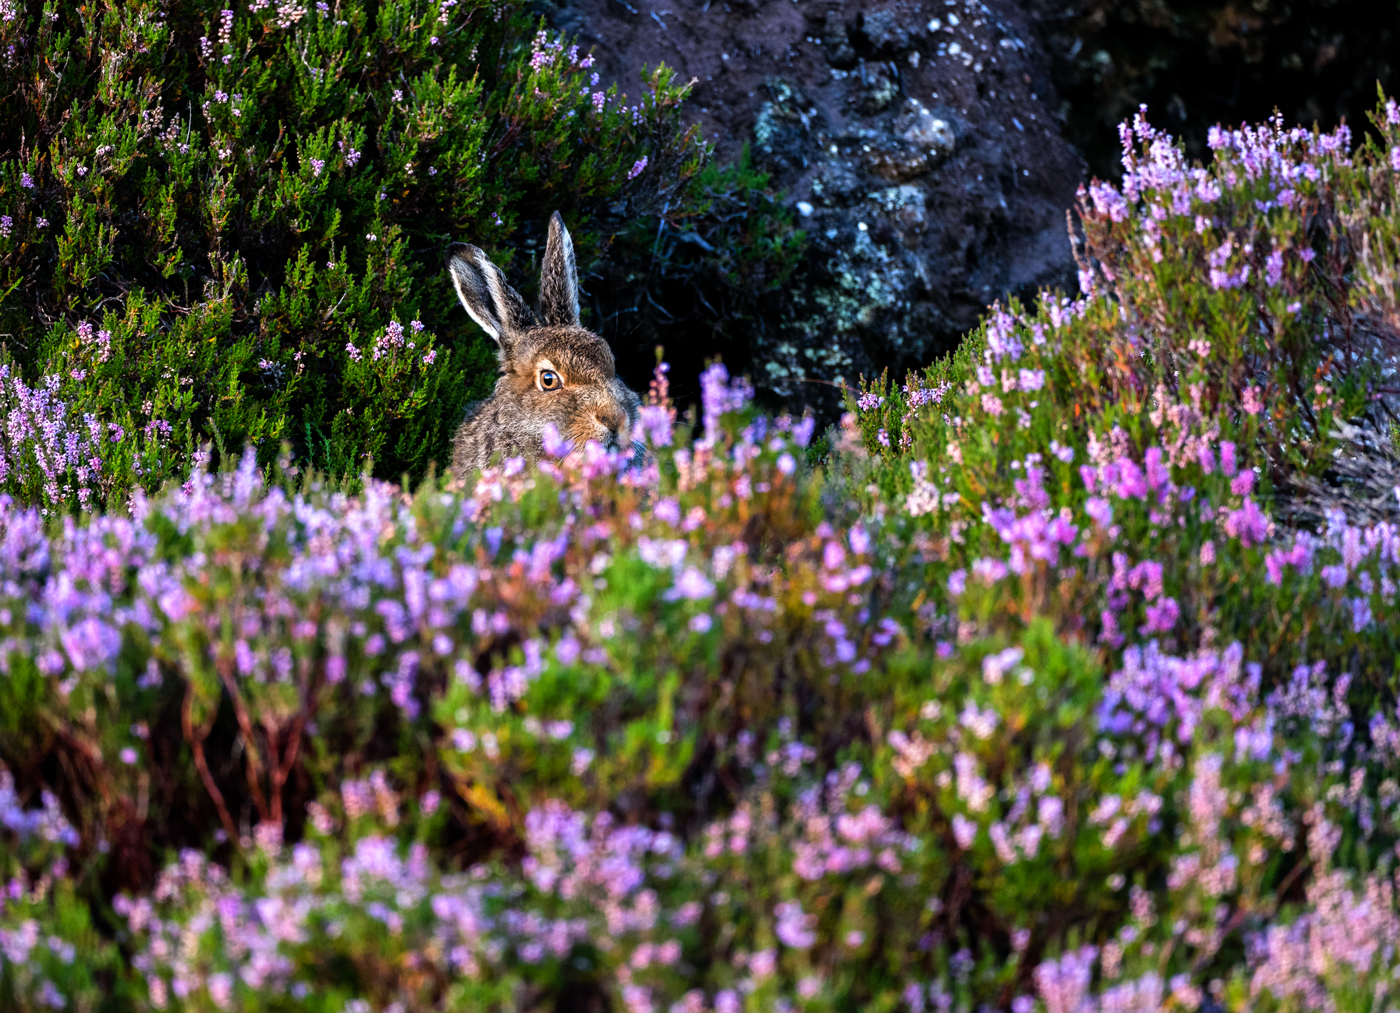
pixel 585 357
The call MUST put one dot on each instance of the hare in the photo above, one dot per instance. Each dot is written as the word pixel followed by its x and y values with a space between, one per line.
pixel 552 372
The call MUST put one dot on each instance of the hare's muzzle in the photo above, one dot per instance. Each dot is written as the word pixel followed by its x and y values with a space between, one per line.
pixel 613 419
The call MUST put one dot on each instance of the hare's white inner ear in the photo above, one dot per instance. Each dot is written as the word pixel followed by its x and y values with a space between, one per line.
pixel 559 277
pixel 474 290
pixel 491 302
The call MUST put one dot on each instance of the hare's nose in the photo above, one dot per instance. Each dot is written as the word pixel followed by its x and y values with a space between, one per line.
pixel 612 418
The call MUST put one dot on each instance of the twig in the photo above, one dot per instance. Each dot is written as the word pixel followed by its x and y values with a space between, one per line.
pixel 197 747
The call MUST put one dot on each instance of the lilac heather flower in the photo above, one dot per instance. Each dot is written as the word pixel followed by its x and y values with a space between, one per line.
pixel 802 431
pixel 637 167
pixel 26 181
pixel 719 395
pixel 553 443
pixel 656 425
pixel 691 584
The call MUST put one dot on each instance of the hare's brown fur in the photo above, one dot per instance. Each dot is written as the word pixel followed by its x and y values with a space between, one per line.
pixel 587 402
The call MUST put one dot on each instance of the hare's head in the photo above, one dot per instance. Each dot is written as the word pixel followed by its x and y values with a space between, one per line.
pixel 552 369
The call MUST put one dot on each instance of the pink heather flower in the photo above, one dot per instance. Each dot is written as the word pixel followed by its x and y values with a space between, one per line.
pixel 1208 554
pixel 221 990
pixel 964 831
pixel 1395 159
pixel 317 165
pixel 353 352
pixel 1248 524
pixel 1227 458
pixel 6 224
pixel 1250 401
pixel 637 168
pixel 794 926
pixel 128 756
pixel 1162 616
pixel 430 357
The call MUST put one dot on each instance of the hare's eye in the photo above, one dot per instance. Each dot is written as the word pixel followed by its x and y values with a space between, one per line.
pixel 549 380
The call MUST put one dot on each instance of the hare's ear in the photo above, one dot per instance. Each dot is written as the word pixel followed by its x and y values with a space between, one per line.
pixel 492 303
pixel 559 277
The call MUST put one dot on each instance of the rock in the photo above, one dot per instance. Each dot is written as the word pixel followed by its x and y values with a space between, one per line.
pixel 928 129
pixel 835 36
pixel 918 147
pixel 878 87
pixel 883 31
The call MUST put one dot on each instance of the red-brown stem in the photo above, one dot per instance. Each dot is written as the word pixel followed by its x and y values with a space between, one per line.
pixel 197 746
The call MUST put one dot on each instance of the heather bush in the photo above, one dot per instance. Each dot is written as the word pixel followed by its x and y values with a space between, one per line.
pixel 1063 681
pixel 229 226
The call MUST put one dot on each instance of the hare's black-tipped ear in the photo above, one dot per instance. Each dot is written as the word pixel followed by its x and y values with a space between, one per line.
pixel 492 303
pixel 559 277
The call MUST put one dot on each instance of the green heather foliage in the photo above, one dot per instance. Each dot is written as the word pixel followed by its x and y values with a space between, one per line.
pixel 217 226
pixel 1057 684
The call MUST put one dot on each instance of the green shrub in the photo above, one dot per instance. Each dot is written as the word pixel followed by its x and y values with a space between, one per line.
pixel 218 226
